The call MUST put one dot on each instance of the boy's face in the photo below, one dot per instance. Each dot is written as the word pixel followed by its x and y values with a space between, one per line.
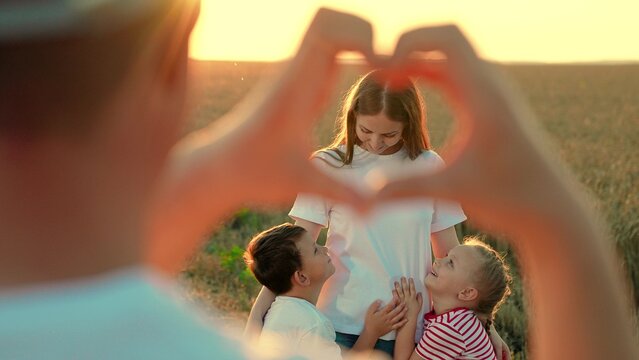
pixel 316 262
pixel 454 273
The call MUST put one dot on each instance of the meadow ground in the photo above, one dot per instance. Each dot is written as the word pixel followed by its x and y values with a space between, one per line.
pixel 589 112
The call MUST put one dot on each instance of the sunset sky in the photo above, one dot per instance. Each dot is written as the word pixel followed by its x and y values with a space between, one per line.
pixel 501 30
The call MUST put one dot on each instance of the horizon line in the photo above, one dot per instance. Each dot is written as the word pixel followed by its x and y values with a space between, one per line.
pixel 513 62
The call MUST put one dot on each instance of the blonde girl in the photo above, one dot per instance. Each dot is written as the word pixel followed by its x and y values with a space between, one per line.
pixel 466 289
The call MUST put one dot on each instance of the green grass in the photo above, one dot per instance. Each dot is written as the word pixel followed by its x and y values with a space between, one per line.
pixel 590 113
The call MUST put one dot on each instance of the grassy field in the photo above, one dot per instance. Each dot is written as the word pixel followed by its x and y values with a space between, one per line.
pixel 590 112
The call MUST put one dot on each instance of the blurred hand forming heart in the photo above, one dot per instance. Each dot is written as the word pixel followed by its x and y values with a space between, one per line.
pixel 497 168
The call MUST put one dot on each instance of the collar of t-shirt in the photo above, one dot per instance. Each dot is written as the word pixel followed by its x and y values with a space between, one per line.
pixel 361 153
pixel 431 316
pixel 284 298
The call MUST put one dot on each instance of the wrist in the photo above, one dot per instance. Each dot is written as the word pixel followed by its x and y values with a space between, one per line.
pixel 370 333
pixel 409 328
pixel 412 318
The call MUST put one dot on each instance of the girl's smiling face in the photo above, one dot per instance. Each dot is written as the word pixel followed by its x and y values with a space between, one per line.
pixel 454 273
pixel 378 134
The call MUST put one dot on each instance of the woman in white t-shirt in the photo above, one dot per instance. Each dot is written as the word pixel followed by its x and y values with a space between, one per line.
pixel 380 128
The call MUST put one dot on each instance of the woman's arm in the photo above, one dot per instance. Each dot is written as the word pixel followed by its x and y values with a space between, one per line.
pixel 312 228
pixel 255 320
pixel 443 241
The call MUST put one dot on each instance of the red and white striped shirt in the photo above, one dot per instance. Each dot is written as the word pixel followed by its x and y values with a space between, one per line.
pixel 455 334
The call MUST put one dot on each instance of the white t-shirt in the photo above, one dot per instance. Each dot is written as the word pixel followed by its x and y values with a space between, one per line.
pixel 371 253
pixel 126 314
pixel 294 326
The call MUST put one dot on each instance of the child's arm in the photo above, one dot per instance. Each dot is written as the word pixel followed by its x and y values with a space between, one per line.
pixel 255 320
pixel 405 341
pixel 380 322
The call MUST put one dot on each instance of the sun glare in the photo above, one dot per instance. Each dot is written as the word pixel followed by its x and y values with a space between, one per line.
pixel 250 30
pixel 502 30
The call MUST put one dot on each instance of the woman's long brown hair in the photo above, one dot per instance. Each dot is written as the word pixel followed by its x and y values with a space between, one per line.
pixel 372 95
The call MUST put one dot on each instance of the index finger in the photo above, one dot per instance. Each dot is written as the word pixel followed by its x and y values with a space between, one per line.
pixel 447 39
pixel 462 75
pixel 334 31
pixel 318 182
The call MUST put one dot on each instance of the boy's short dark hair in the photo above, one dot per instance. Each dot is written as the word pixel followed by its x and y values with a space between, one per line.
pixel 273 256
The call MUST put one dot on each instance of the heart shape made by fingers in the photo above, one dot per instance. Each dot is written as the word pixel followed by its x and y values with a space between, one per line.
pixel 493 158
pixel 259 151
pixel 495 163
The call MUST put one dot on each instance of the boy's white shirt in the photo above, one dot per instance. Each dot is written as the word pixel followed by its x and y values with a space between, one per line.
pixel 371 253
pixel 294 326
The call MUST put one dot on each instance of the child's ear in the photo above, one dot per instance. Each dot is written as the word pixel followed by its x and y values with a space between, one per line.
pixel 468 294
pixel 301 279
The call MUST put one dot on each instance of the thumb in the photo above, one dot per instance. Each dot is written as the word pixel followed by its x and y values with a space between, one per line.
pixel 418 185
pixel 320 183
pixel 420 299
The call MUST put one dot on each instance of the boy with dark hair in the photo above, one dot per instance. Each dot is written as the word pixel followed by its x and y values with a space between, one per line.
pixel 287 260
pixel 273 262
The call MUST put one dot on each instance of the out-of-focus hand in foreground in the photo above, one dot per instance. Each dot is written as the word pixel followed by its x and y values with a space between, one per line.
pixel 258 153
pixel 498 167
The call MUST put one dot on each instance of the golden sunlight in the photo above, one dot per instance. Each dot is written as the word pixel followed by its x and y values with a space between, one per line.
pixel 502 30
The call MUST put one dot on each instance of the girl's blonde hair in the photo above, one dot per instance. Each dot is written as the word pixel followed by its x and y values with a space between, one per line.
pixel 493 280
pixel 372 95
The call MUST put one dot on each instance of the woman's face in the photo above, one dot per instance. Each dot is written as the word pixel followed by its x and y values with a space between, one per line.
pixel 378 134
